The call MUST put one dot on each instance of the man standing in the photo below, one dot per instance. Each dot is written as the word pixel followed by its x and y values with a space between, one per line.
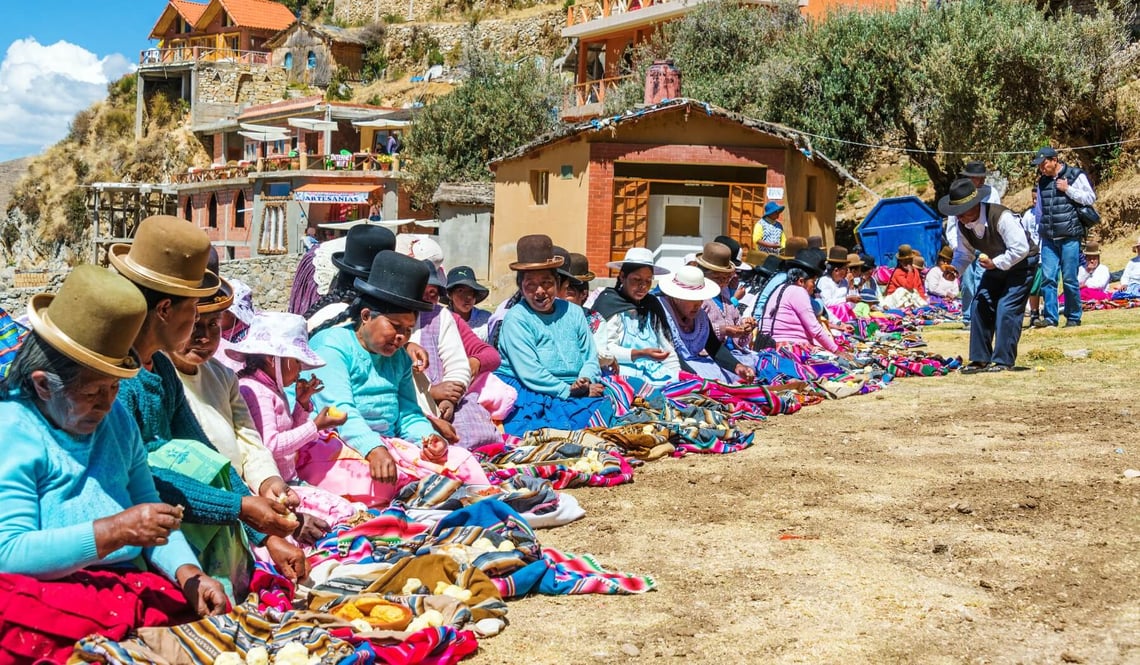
pixel 996 237
pixel 1061 189
pixel 976 172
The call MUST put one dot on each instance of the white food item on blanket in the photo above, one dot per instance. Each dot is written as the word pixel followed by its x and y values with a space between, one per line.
pixel 456 592
pixel 294 653
pixel 411 586
pixel 482 545
pixel 361 626
pixel 257 656
pixel 229 658
pixel 507 546
pixel 489 627
pixel 429 619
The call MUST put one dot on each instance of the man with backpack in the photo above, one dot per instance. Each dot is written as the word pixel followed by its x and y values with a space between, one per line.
pixel 1004 250
pixel 1064 197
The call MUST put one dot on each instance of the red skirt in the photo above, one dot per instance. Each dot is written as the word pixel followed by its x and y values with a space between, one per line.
pixel 40 622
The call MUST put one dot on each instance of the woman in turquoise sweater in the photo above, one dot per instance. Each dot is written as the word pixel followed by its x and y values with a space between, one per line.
pixel 75 488
pixel 549 355
pixel 368 376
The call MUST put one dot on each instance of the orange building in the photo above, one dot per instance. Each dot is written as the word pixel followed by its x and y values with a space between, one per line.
pixel 219 30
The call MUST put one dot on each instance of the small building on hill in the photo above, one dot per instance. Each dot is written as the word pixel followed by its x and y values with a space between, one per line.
pixel 311 53
pixel 668 177
pixel 465 211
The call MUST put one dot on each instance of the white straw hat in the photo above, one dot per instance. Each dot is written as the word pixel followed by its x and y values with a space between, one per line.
pixel 277 334
pixel 638 256
pixel 689 283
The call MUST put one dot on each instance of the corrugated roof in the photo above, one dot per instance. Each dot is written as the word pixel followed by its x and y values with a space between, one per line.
pixel 465 193
pixel 259 14
pixel 788 135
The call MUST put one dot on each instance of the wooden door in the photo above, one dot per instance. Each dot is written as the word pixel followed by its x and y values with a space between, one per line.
pixel 745 208
pixel 630 222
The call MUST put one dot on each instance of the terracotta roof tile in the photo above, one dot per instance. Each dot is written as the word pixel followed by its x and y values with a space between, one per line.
pixel 260 14
pixel 191 11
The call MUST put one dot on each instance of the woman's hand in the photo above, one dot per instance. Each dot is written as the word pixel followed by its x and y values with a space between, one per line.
pixel 596 390
pixel 305 389
pixel 986 262
pixel 144 525
pixel 734 331
pixel 382 466
pixel 325 419
pixel 748 323
pixel 580 387
pixel 203 593
pixel 311 530
pixel 419 356
pixel 447 391
pixel 656 354
pixel 434 449
pixel 446 410
pixel 276 489
pixel 290 559
pixel 267 516
pixel 746 373
pixel 445 429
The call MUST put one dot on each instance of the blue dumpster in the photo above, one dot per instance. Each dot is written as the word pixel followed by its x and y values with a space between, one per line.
pixel 901 220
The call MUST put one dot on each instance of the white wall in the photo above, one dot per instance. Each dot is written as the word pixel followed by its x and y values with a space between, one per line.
pixel 670 249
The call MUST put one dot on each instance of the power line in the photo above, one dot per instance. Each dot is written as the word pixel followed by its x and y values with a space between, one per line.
pixel 955 152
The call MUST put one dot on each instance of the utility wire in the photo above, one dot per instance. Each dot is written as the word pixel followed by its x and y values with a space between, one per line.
pixel 955 152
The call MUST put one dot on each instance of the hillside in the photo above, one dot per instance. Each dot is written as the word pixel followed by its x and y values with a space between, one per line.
pixel 10 174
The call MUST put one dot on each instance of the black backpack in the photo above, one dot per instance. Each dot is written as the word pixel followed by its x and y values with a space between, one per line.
pixel 1087 214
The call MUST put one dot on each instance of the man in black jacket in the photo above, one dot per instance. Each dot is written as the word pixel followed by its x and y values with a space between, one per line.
pixel 1061 189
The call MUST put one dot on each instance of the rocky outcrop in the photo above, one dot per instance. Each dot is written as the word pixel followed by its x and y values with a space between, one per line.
pixel 540 34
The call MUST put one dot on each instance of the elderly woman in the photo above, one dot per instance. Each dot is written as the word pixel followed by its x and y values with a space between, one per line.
pixel 1094 276
pixel 696 345
pixel 789 317
pixel 635 332
pixel 549 355
pixel 733 330
pixel 75 488
pixel 387 440
pixel 168 263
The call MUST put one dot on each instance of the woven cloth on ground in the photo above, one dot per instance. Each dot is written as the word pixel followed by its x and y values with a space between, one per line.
pixel 565 458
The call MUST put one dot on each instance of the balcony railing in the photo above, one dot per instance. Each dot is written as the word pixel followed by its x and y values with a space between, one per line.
pixel 585 11
pixel 160 57
pixel 359 162
pixel 592 92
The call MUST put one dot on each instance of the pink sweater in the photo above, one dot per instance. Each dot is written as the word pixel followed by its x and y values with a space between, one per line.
pixel 796 321
pixel 284 434
pixel 489 359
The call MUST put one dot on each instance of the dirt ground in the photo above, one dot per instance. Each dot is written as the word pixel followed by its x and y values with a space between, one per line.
pixel 963 519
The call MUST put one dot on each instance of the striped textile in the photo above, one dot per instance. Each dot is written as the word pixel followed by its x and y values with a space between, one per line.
pixel 559 574
pixel 552 454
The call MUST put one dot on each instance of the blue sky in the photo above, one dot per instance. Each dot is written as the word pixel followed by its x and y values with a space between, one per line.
pixel 57 58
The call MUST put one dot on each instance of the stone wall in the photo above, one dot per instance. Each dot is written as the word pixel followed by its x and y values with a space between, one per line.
pixel 270 277
pixel 363 12
pixel 239 84
pixel 509 38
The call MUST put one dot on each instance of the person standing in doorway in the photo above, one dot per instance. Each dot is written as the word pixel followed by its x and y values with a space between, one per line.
pixel 1061 189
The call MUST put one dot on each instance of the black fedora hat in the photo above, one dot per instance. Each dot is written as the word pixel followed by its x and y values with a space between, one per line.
pixel 361 245
pixel 974 169
pixel 963 196
pixel 733 245
pixel 465 276
pixel 811 261
pixel 395 281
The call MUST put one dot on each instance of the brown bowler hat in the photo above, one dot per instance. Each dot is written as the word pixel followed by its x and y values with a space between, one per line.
pixel 168 255
pixel 535 252
pixel 853 260
pixel 905 252
pixel 1092 248
pixel 837 255
pixel 792 246
pixel 716 257
pixel 580 267
pixel 93 320
pixel 946 253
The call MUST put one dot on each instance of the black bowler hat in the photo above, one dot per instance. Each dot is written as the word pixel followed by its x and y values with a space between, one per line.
pixel 564 254
pixel 770 267
pixel 361 245
pixel 811 261
pixel 974 170
pixel 395 282
pixel 465 276
pixel 732 245
pixel 963 196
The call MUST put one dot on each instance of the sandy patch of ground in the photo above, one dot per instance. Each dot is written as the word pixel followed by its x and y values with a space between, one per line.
pixel 980 519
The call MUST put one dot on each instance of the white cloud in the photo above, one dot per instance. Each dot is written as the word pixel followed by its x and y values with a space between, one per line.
pixel 43 87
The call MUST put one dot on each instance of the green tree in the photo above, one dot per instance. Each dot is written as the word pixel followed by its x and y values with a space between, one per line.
pixel 500 107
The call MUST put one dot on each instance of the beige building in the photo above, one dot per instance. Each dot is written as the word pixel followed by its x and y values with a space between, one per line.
pixel 668 177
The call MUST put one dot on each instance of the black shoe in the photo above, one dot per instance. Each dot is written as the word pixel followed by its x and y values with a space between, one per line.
pixel 1038 322
pixel 973 368
pixel 998 368
pixel 1071 323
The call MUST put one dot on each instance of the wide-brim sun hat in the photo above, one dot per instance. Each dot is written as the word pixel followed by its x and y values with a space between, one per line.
pixel 689 283
pixel 465 276
pixel 361 246
pixel 93 320
pixel 277 334
pixel 535 252
pixel 168 255
pixel 963 196
pixel 716 257
pixel 396 281
pixel 638 256
pixel 772 208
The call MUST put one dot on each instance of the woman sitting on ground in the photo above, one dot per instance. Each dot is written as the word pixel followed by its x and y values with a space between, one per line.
pixel 1130 276
pixel 451 369
pixel 835 285
pixel 905 288
pixel 463 294
pixel 388 441
pixel 79 502
pixel 733 330
pixel 635 332
pixel 1094 276
pixel 696 345
pixel 789 317
pixel 548 353
pixel 942 280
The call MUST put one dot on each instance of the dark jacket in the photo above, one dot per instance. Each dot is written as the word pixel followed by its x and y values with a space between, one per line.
pixel 1059 219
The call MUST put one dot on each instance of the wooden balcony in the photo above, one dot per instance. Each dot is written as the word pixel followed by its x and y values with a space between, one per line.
pixel 591 92
pixel 185 55
pixel 359 162
pixel 584 11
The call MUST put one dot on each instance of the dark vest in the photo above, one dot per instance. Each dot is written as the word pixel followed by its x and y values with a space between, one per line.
pixel 992 244
pixel 1059 219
